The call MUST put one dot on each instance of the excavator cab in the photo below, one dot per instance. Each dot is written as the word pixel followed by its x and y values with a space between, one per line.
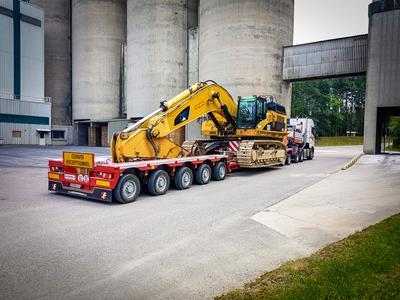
pixel 253 110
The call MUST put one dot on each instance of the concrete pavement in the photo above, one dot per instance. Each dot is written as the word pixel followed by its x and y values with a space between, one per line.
pixel 339 205
pixel 192 244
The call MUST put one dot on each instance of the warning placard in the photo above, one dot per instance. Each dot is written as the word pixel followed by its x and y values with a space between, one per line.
pixel 79 160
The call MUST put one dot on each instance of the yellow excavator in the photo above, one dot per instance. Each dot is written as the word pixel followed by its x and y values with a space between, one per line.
pixel 249 134
pixel 256 125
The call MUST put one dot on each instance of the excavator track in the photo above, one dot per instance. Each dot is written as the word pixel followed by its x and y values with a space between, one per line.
pixel 260 153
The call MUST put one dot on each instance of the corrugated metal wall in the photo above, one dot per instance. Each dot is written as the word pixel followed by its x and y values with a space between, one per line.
pixel 6 53
pixel 28 131
pixel 326 59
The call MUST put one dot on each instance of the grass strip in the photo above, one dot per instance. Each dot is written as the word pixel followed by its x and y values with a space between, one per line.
pixel 366 265
pixel 339 141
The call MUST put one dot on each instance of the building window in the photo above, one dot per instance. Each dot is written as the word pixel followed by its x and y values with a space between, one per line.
pixel 16 134
pixel 58 134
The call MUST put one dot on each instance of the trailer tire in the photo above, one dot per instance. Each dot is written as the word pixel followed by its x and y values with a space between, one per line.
pixel 183 178
pixel 219 171
pixel 127 189
pixel 310 156
pixel 203 174
pixel 159 182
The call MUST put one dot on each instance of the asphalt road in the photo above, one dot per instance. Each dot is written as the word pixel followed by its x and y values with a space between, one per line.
pixel 191 244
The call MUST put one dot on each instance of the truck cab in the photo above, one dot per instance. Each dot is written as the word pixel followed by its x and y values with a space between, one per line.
pixel 301 139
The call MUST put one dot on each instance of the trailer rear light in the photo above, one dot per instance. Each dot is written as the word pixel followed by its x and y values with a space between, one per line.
pixel 55 169
pixel 105 175
pixel 53 176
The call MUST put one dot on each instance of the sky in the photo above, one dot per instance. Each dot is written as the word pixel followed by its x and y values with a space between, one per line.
pixel 316 20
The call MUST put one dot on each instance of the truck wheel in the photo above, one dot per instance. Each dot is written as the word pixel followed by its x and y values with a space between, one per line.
pixel 127 189
pixel 296 157
pixel 288 159
pixel 203 174
pixel 301 156
pixel 310 156
pixel 219 171
pixel 183 178
pixel 158 183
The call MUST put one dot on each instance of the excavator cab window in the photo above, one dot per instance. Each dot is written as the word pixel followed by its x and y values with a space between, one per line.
pixel 247 111
pixel 251 111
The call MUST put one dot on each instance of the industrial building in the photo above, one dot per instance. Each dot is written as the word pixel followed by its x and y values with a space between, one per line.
pixel 108 63
pixel 25 112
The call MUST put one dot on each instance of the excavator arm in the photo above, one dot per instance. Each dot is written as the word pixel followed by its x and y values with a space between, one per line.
pixel 148 138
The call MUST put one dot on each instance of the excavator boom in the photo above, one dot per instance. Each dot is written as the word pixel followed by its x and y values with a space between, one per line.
pixel 148 138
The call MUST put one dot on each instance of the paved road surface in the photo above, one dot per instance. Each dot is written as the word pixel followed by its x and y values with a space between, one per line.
pixel 190 244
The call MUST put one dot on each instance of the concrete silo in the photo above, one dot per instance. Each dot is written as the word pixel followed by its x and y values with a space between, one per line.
pixel 240 45
pixel 98 32
pixel 156 55
pixel 57 29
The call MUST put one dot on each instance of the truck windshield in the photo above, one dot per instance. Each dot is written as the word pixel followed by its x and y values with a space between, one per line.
pixel 247 114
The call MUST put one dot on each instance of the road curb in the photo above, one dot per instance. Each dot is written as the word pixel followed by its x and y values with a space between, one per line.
pixel 351 162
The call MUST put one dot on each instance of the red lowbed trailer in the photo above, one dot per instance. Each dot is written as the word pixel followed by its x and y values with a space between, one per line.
pixel 78 174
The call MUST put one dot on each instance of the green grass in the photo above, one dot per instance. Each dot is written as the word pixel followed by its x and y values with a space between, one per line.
pixel 365 265
pixel 339 140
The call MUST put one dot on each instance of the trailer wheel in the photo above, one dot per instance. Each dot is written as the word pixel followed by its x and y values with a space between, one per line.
pixel 203 174
pixel 127 189
pixel 310 156
pixel 183 178
pixel 301 156
pixel 219 171
pixel 159 182
pixel 288 159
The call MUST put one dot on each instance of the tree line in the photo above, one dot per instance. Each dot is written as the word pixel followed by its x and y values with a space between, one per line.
pixel 336 105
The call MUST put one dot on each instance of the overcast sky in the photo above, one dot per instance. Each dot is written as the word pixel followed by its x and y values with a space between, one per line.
pixel 316 20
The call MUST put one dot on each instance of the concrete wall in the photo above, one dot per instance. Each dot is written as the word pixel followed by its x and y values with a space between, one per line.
pixel 326 59
pixel 241 45
pixel 383 73
pixel 157 55
pixel 57 41
pixel 98 30
pixel 193 130
pixel 157 59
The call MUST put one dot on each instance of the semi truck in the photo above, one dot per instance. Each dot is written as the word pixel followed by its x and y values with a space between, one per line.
pixel 301 139
pixel 250 134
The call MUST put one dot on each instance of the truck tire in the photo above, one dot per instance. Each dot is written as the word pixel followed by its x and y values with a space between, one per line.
pixel 127 189
pixel 288 159
pixel 310 156
pixel 301 155
pixel 296 157
pixel 203 174
pixel 219 171
pixel 183 178
pixel 159 182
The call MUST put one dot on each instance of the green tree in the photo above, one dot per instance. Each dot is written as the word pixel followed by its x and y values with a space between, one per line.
pixel 335 105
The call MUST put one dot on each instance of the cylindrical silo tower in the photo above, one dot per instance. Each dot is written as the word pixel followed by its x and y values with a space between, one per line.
pixel 240 45
pixel 57 45
pixel 156 55
pixel 98 31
